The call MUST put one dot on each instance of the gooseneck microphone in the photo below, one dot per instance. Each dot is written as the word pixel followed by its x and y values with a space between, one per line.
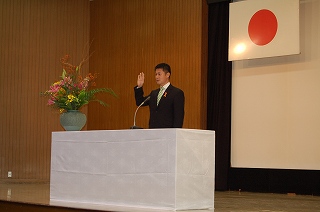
pixel 135 114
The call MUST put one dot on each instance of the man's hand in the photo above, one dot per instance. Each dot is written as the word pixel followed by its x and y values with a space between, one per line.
pixel 140 80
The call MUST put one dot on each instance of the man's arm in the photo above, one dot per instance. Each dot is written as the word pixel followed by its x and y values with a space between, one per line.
pixel 138 95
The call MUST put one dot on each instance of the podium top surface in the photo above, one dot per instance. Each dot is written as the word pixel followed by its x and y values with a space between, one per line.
pixel 132 134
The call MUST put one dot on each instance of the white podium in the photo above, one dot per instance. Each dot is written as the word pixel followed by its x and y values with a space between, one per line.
pixel 167 169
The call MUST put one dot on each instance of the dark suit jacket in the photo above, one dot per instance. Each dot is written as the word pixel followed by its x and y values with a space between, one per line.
pixel 170 111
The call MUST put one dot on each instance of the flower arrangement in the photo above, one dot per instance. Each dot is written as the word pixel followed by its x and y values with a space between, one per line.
pixel 74 91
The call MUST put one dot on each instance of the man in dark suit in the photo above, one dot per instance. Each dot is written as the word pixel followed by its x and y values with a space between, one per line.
pixel 166 103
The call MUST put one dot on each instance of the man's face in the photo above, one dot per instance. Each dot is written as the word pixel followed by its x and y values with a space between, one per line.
pixel 162 77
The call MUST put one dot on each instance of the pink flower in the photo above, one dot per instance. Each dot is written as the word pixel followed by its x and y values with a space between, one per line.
pixel 54 88
pixel 84 84
pixel 50 102
pixel 67 80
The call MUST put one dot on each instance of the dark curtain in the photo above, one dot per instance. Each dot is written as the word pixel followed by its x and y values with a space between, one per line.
pixel 219 89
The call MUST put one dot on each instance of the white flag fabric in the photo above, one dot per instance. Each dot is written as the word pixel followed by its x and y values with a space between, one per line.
pixel 263 28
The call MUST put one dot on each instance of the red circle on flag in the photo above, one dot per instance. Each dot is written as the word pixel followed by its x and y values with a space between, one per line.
pixel 262 27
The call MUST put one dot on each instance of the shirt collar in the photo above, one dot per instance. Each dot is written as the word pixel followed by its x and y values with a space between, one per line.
pixel 166 85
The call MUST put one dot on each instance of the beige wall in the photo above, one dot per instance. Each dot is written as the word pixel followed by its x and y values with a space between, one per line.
pixel 128 37
pixel 275 104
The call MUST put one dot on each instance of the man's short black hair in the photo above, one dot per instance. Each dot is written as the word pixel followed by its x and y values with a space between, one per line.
pixel 164 66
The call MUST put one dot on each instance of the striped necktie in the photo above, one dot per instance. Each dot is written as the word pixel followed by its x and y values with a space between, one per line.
pixel 160 94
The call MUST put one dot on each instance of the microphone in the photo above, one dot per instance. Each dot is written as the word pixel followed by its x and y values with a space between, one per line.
pixel 134 118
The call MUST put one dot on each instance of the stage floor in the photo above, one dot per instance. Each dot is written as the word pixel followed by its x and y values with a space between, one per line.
pixel 229 201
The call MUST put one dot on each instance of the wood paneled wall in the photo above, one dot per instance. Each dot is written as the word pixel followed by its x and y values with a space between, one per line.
pixel 34 35
pixel 130 37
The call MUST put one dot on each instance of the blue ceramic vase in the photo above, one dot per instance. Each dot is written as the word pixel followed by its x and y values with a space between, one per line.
pixel 73 120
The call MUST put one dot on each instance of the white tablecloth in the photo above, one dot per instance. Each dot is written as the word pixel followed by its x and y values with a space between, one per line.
pixel 150 168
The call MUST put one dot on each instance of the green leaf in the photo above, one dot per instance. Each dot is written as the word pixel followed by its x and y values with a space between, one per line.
pixel 64 73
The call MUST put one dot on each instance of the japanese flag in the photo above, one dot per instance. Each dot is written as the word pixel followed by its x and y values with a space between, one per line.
pixel 263 28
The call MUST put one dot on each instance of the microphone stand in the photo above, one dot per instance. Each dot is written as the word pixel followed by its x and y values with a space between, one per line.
pixel 135 114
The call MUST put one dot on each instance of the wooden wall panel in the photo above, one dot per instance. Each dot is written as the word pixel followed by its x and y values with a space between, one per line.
pixel 34 35
pixel 132 37
pixel 128 37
